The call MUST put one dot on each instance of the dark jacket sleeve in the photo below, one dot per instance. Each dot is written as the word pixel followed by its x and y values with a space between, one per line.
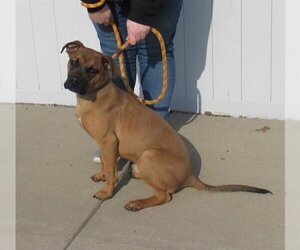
pixel 96 5
pixel 140 11
pixel 144 11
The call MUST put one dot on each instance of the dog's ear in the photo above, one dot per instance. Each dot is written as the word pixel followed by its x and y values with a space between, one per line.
pixel 72 47
pixel 110 66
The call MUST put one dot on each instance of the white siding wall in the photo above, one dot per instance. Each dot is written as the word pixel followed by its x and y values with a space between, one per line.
pixel 230 54
pixel 231 57
pixel 7 52
pixel 43 27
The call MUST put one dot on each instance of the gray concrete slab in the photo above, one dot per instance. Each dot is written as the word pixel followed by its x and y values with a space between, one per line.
pixel 54 193
pixel 292 184
pixel 53 169
pixel 7 176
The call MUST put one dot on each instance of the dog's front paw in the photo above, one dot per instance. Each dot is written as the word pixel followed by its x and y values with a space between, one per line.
pixel 98 177
pixel 102 195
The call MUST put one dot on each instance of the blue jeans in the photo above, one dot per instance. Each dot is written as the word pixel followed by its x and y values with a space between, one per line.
pixel 147 52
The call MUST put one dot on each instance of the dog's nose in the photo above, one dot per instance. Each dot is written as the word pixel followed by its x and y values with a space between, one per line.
pixel 74 80
pixel 66 84
pixel 71 82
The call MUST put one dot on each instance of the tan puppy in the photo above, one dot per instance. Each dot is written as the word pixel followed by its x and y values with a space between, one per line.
pixel 122 126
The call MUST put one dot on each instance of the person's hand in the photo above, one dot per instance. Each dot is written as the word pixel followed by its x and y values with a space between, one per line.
pixel 102 16
pixel 136 31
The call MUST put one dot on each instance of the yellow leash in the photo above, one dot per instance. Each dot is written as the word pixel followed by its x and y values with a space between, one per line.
pixel 119 54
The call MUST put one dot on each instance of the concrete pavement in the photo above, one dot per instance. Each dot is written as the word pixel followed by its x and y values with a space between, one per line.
pixel 54 191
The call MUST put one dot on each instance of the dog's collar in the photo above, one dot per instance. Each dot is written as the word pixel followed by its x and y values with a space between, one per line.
pixel 103 85
pixel 92 95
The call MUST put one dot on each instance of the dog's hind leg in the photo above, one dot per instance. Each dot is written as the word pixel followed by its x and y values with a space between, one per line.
pixel 164 172
pixel 159 197
pixel 151 168
pixel 135 171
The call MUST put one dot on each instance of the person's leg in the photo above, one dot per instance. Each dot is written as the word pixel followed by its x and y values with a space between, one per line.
pixel 151 75
pixel 109 45
pixel 150 61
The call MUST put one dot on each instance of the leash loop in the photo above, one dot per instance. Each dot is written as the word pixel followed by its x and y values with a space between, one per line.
pixel 119 54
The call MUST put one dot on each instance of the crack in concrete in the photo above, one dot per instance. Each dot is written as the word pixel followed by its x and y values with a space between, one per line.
pixel 122 175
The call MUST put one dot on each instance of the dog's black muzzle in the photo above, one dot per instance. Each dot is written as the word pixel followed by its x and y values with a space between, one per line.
pixel 75 84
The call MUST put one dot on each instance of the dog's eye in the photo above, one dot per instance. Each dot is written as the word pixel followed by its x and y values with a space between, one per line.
pixel 91 70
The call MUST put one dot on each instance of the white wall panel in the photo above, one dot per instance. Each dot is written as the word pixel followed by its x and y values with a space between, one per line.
pixel 198 48
pixel 278 52
pixel 46 46
pixel 7 52
pixel 227 50
pixel 197 60
pixel 256 50
pixel 26 65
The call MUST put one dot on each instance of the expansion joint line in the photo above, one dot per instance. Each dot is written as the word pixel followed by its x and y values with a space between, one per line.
pixel 91 214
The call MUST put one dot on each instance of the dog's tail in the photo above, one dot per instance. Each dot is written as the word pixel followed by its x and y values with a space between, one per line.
pixel 200 185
